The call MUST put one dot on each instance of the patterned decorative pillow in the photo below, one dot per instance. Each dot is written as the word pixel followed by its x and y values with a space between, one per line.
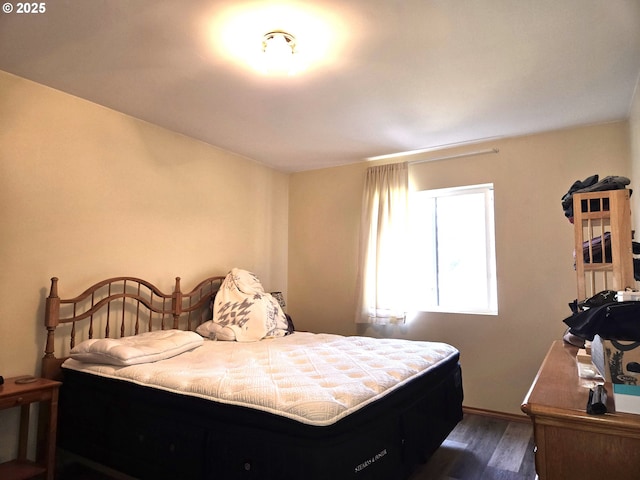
pixel 243 311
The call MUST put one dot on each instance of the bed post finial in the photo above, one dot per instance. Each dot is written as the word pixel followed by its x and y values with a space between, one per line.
pixel 53 292
pixel 176 304
pixel 52 306
pixel 51 320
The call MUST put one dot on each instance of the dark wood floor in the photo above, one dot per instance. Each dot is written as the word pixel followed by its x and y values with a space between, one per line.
pixel 483 448
pixel 480 447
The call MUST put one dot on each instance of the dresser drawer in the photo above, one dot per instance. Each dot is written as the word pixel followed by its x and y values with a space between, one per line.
pixel 24 398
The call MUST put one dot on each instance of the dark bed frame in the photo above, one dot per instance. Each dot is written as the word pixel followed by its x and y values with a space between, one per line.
pixel 152 434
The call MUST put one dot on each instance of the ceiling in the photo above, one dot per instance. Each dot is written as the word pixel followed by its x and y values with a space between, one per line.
pixel 396 75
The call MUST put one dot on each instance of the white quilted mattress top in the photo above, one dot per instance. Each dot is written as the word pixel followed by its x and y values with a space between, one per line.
pixel 316 379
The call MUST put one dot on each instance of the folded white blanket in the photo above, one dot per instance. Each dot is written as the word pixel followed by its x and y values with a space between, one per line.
pixel 142 348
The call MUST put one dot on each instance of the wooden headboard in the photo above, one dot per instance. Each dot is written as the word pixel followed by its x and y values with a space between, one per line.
pixel 119 307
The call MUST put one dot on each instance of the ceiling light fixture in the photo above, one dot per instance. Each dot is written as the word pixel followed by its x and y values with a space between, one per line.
pixel 315 38
pixel 279 49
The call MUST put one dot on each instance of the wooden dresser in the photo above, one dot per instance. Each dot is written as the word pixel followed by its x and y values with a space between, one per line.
pixel 571 444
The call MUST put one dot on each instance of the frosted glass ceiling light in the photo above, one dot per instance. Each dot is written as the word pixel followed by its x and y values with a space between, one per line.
pixel 279 49
pixel 237 33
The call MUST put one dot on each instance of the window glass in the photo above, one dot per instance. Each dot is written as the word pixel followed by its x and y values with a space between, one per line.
pixel 453 250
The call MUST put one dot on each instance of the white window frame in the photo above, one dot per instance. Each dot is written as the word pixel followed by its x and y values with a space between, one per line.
pixel 425 280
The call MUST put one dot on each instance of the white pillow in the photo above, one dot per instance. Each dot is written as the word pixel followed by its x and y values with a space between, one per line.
pixel 213 331
pixel 141 348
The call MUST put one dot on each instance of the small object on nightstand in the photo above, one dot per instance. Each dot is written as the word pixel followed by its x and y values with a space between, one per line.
pixel 26 379
pixel 1 379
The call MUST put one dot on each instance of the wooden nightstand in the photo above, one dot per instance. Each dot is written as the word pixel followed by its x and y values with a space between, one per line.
pixel 16 394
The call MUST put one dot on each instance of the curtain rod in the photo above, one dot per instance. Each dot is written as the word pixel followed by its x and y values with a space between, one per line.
pixel 470 154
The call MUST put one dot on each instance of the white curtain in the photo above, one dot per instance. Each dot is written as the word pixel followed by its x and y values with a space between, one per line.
pixel 383 245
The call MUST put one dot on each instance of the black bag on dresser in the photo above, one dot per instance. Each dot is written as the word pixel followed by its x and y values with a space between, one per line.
pixel 619 320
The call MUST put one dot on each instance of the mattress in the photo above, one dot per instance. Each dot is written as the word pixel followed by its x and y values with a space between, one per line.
pixel 313 379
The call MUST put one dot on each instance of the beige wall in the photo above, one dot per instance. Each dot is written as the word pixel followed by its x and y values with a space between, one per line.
pixel 536 281
pixel 87 193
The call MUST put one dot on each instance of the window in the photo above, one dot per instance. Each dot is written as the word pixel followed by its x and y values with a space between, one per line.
pixel 453 250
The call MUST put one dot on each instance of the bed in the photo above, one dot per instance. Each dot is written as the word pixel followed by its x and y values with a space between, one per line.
pixel 291 406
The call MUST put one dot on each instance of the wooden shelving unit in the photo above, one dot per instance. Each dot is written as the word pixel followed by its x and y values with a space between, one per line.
pixel 603 242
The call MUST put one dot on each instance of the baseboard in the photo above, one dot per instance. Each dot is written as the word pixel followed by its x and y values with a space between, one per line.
pixel 511 417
